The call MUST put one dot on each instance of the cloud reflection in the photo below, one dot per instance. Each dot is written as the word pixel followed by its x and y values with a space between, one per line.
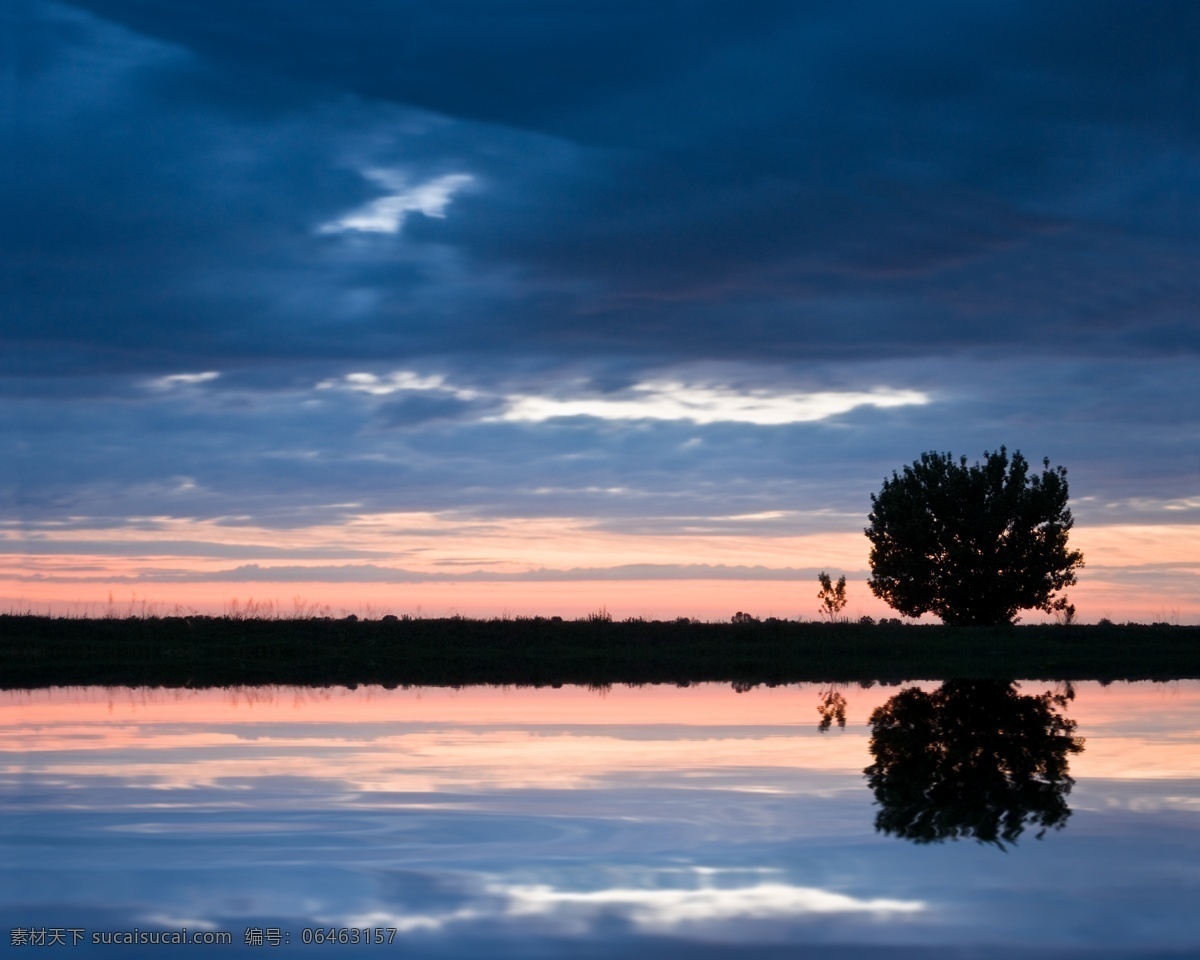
pixel 648 909
pixel 664 909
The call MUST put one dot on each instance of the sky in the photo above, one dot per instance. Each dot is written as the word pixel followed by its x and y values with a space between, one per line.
pixel 529 307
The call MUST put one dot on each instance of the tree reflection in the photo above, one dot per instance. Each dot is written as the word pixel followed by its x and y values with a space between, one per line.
pixel 974 758
pixel 831 705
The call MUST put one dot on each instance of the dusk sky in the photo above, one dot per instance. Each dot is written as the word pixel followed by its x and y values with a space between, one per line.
pixel 537 307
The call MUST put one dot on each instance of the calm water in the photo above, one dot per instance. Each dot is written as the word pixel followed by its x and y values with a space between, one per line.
pixel 635 822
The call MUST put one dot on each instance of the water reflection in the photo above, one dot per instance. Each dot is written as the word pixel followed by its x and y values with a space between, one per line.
pixel 831 705
pixel 632 822
pixel 973 758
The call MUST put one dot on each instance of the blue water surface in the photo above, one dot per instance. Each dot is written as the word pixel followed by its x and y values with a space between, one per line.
pixel 660 822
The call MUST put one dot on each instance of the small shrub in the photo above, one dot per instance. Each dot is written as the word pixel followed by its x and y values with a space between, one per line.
pixel 832 596
pixel 1064 613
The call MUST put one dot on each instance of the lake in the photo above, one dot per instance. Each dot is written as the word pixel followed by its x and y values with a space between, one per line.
pixel 996 820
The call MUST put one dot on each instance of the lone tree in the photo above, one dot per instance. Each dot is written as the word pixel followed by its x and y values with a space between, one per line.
pixel 832 596
pixel 972 544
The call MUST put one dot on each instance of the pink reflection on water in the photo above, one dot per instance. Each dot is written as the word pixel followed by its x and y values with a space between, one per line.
pixel 430 739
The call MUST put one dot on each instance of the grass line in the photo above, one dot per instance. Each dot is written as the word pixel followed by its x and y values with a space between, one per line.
pixel 38 652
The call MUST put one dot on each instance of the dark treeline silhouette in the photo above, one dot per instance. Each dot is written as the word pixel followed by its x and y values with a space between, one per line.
pixel 973 759
pixel 225 651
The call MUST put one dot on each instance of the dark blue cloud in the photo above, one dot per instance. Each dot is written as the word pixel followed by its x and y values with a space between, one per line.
pixel 415 411
pixel 523 64
pixel 649 183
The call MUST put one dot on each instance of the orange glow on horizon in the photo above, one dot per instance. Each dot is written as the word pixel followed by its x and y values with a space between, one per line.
pixel 714 600
pixel 1134 572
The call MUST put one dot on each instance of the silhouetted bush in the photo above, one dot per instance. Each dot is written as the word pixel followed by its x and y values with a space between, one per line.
pixel 972 544
pixel 832 596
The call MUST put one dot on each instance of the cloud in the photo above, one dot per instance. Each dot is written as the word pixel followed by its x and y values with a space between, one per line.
pixel 417 411
pixel 418 399
pixel 374 573
pixel 779 185
pixel 386 214
pixel 533 65
pixel 401 380
pixel 182 380
pixel 669 400
pixel 703 405
pixel 14 545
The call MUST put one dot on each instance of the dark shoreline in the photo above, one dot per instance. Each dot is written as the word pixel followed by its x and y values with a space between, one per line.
pixel 38 652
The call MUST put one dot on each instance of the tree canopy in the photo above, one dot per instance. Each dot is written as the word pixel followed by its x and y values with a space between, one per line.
pixel 972 544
